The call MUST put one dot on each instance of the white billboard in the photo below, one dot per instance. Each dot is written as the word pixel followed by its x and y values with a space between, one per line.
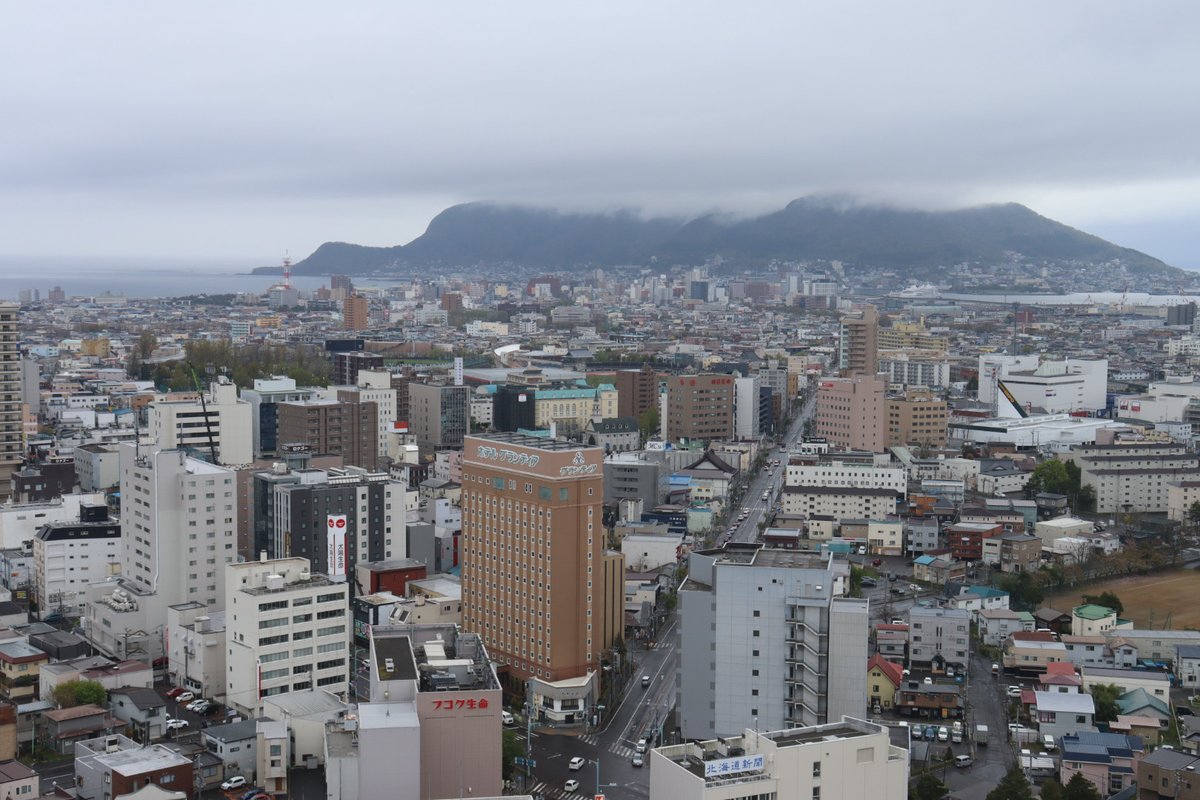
pixel 336 544
pixel 731 766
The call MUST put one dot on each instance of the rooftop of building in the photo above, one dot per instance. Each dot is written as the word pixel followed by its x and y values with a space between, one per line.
pixel 140 760
pixel 532 442
pixel 1093 612
pixel 13 770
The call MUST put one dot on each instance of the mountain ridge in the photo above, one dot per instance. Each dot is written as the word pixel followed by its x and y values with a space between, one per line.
pixel 809 228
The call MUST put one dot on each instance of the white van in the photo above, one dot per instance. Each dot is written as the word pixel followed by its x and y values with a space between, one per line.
pixel 1048 743
pixel 506 717
pixel 963 761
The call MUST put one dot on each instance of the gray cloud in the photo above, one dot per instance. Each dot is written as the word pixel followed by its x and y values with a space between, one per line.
pixel 244 131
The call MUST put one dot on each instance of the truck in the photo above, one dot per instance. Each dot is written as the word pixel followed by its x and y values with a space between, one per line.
pixel 981 735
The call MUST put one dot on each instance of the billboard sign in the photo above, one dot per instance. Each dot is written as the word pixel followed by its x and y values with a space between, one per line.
pixel 722 767
pixel 336 546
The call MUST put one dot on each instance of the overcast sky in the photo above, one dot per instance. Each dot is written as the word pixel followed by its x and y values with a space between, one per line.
pixel 243 130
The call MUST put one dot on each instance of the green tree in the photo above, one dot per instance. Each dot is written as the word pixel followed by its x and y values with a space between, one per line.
pixel 1108 599
pixel 1080 788
pixel 1013 786
pixel 1193 514
pixel 1052 790
pixel 79 693
pixel 648 423
pixel 510 749
pixel 1050 476
pixel 929 788
pixel 1104 696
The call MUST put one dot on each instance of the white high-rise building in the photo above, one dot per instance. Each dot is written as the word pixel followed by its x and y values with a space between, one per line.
pixel 1056 386
pixel 178 533
pixel 286 630
pixel 181 424
pixel 772 631
pixel 375 386
pixel 746 423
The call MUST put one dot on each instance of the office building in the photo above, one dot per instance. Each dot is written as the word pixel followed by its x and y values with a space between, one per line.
pixel 847 758
pixel 858 343
pixel 837 473
pixel 97 466
pixel 332 427
pixel 222 422
pixel 287 630
pixel 912 337
pixel 70 556
pixel 1138 477
pixel 529 504
pixel 902 370
pixel 196 649
pixel 916 418
pixel 356 313
pixel 513 408
pixel 699 408
pixel 348 363
pixel 264 411
pixel 839 502
pixel 637 391
pixel 439 414
pixel 747 407
pixel 11 437
pixel 435 697
pixel 298 514
pixel 851 412
pixel 767 637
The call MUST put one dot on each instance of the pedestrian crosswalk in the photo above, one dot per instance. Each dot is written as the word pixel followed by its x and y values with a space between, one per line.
pixel 543 789
pixel 617 749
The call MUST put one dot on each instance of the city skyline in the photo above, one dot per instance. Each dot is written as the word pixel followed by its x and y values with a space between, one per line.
pixel 224 135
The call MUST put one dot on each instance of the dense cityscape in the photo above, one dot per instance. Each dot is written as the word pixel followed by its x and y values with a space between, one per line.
pixel 805 537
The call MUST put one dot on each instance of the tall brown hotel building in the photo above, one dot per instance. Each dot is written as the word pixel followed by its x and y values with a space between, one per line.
pixel 538 585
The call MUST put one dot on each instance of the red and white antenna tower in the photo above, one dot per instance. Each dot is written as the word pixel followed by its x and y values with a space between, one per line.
pixel 287 272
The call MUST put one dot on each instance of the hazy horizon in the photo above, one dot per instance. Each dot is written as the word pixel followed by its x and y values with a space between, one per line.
pixel 241 133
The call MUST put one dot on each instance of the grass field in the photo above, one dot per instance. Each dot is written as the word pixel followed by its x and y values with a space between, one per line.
pixel 1148 599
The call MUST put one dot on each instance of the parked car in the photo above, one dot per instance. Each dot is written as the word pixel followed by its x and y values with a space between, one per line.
pixel 869 583
pixel 917 732
pixel 912 587
pixel 931 733
pixel 1014 691
pixel 575 763
pixel 1183 711
pixel 571 785
pixel 963 761
pixel 943 734
pixel 1048 743
pixel 236 782
pixel 176 724
pixel 195 704
pixel 173 693
pixel 251 794
pixel 995 669
pixel 184 697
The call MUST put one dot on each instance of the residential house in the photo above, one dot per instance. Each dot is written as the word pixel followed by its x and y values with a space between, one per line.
pixel 1156 684
pixel 1148 728
pixel 1087 650
pixel 19 665
pixel 884 679
pixel 1020 552
pixel 1141 703
pixel 1094 620
pixel 1053 619
pixel 1108 760
pixel 115 766
pixel 1063 713
pixel 1153 644
pixel 18 780
pixel 965 539
pixel 938 570
pixel 921 535
pixel 235 743
pixel 141 709
pixel 891 641
pixel 939 637
pixel 1187 664
pixel 930 700
pixel 1060 677
pixel 1168 773
pixel 1029 653
pixel 996 625
pixel 977 598
pixel 61 728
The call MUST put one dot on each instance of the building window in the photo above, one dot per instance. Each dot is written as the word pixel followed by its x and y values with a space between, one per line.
pixel 816 771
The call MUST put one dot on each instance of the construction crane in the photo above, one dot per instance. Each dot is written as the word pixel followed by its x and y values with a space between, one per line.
pixel 212 442
pixel 1009 397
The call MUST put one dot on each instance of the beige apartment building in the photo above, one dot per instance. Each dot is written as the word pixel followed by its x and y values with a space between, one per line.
pixel 533 557
pixel 918 418
pixel 11 443
pixel 851 412
pixel 858 351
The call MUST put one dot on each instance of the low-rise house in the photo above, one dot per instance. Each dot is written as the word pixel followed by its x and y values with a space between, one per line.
pixel 884 678
pixel 938 570
pixel 1168 773
pixel 1187 664
pixel 141 709
pixel 891 641
pixel 978 598
pixel 17 780
pixel 1053 619
pixel 1020 552
pixel 939 637
pixel 1150 644
pixel 115 766
pixel 1062 713
pixel 1141 703
pixel 1087 650
pixel 19 665
pixel 996 625
pixel 930 700
pixel 1156 684
pixel 235 744
pixel 1095 620
pixel 1060 677
pixel 1108 760
pixel 1029 653
pixel 1148 728
pixel 61 728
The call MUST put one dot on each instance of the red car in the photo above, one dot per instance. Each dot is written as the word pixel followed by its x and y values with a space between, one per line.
pixel 173 693
pixel 877 562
